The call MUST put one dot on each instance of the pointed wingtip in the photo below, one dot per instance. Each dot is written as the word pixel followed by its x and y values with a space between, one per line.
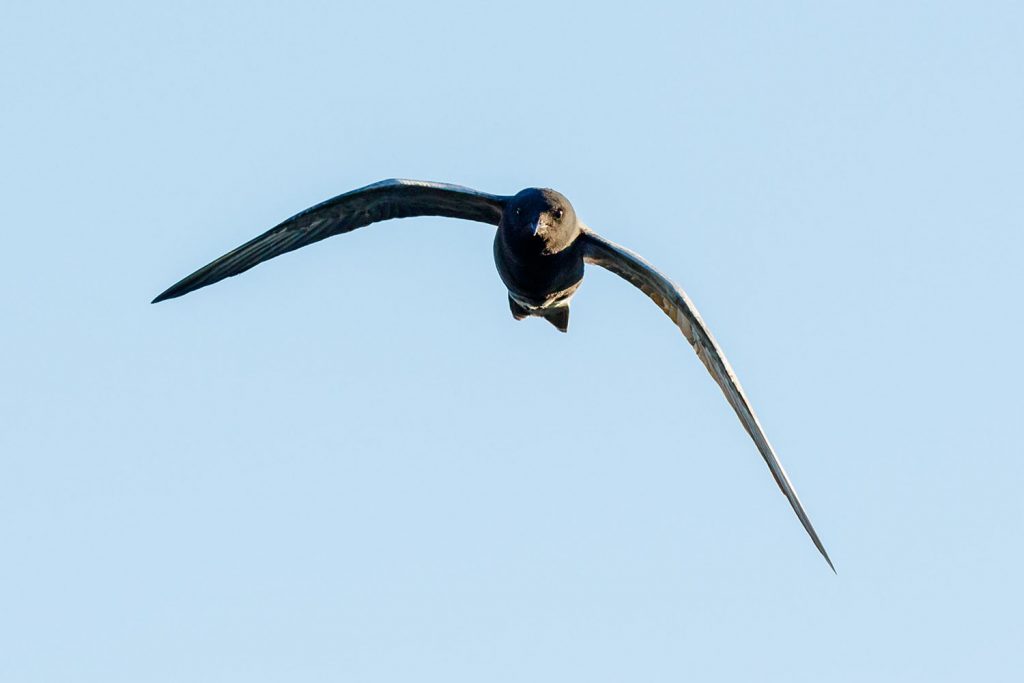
pixel 808 527
pixel 830 565
pixel 824 553
pixel 172 292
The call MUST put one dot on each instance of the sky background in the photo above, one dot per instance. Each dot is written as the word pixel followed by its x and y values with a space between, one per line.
pixel 352 464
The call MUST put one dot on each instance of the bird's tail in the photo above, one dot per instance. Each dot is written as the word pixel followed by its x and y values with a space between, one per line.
pixel 558 316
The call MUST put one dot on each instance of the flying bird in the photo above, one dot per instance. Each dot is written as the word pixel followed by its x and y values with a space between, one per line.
pixel 540 248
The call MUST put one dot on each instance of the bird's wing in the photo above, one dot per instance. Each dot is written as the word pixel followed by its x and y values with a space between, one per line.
pixel 677 305
pixel 346 212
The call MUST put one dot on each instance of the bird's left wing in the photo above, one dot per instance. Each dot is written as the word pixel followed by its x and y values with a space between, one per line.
pixel 344 213
pixel 677 305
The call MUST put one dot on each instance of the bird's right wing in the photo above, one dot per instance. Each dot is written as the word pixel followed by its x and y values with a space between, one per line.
pixel 344 213
pixel 677 305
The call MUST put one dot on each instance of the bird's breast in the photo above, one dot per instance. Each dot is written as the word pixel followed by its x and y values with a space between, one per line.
pixel 538 280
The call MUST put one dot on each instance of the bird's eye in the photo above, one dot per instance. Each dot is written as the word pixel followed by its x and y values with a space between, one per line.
pixel 519 211
pixel 558 213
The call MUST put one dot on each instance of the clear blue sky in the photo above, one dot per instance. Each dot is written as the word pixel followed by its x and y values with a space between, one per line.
pixel 295 475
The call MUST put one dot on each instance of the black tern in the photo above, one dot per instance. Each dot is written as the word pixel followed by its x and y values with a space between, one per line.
pixel 540 248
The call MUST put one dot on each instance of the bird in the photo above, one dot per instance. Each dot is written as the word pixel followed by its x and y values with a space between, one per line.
pixel 540 250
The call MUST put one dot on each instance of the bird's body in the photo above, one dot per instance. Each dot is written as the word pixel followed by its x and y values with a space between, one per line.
pixel 539 256
pixel 540 250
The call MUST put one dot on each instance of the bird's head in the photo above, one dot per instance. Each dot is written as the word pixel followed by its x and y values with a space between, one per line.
pixel 542 216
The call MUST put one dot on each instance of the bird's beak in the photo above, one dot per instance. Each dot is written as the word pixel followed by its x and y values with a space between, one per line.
pixel 538 227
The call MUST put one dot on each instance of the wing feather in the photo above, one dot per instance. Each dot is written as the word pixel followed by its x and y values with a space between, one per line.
pixel 677 305
pixel 344 213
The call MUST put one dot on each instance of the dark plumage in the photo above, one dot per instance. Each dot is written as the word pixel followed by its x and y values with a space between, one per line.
pixel 540 248
pixel 539 255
